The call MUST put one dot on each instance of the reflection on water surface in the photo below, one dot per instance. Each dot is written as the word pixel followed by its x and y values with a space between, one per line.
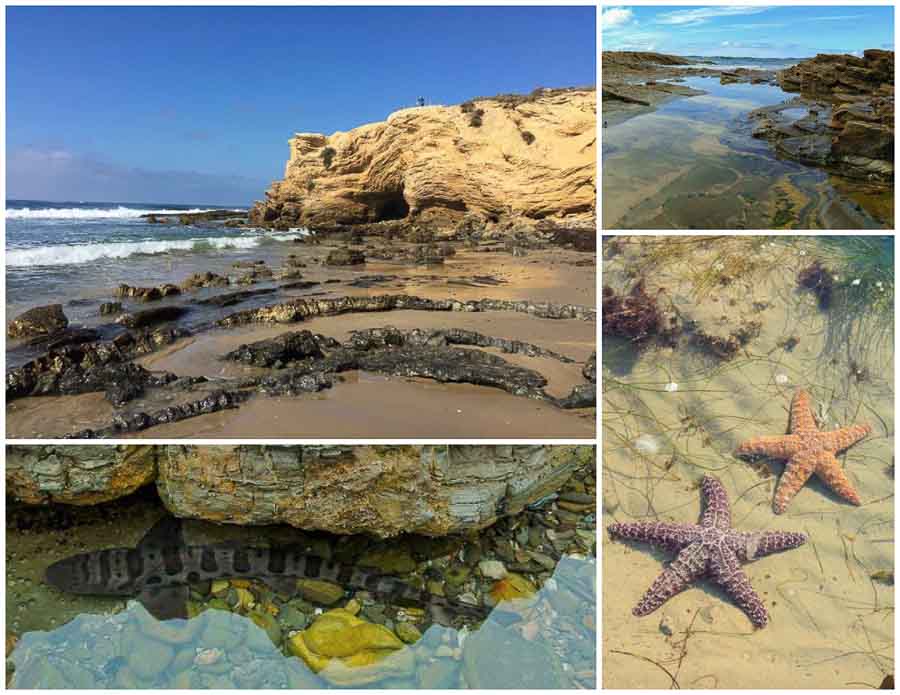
pixel 537 642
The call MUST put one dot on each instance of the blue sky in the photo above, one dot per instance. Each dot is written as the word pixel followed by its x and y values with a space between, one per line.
pixel 754 31
pixel 195 105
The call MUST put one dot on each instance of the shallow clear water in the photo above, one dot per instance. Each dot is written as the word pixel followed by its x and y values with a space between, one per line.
pixel 112 651
pixel 275 632
pixel 692 164
pixel 672 414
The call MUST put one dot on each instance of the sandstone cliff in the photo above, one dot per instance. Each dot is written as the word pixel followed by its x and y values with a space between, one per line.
pixel 507 160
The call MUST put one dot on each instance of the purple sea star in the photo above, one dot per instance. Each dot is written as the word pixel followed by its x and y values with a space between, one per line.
pixel 711 548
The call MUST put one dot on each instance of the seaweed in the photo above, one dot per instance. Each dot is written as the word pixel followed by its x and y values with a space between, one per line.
pixel 635 316
pixel 820 281
pixel 726 347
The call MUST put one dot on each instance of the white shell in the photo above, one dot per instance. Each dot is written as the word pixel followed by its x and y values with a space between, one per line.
pixel 646 444
pixel 781 379
pixel 671 387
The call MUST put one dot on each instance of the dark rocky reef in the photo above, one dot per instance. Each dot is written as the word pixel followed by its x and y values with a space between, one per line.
pixel 93 366
pixel 41 320
pixel 147 294
pixel 79 361
pixel 201 280
pixel 287 347
pixel 299 362
pixel 86 368
pixel 846 120
pixel 209 216
pixel 258 273
pixel 415 353
pixel 136 422
pixel 303 308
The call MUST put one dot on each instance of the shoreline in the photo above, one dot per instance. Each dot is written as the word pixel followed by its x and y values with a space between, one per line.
pixel 540 297
pixel 846 127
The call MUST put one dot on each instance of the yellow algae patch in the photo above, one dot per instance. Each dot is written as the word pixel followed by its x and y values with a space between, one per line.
pixel 347 650
pixel 512 587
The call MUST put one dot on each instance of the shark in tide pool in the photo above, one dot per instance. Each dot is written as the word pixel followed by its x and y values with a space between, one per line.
pixel 159 571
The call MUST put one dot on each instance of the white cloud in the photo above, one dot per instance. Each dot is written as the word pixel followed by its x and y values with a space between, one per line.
pixel 836 17
pixel 615 17
pixel 701 15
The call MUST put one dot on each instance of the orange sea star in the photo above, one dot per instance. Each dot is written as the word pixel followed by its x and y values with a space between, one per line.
pixel 807 450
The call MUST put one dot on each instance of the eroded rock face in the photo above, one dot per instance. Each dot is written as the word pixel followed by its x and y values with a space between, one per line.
pixel 383 491
pixel 41 320
pixel 432 165
pixel 828 74
pixel 846 115
pixel 77 474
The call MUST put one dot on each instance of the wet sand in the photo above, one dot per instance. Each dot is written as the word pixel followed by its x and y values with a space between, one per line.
pixel 373 405
pixel 830 605
pixel 378 407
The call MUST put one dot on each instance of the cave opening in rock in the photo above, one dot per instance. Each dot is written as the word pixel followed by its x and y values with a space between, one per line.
pixel 392 206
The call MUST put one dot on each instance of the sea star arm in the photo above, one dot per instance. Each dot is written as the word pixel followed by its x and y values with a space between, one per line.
pixel 831 473
pixel 750 545
pixel 845 437
pixel 726 571
pixel 684 569
pixel 802 419
pixel 797 472
pixel 782 447
pixel 662 534
pixel 717 511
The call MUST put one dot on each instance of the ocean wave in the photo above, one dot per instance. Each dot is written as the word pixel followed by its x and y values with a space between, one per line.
pixel 120 212
pixel 72 254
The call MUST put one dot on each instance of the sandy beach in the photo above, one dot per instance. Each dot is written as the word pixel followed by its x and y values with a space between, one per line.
pixel 360 402
pixel 674 413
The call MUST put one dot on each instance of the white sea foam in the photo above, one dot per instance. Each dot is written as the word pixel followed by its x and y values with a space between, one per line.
pixel 71 254
pixel 120 213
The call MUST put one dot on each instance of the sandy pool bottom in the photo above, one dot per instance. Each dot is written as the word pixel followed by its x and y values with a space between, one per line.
pixel 831 600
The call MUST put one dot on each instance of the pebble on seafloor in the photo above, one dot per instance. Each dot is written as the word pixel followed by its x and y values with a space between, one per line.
pixel 353 639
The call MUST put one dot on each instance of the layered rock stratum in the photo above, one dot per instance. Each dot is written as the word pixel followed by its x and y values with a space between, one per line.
pixel 507 161
pixel 848 126
pixel 379 490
